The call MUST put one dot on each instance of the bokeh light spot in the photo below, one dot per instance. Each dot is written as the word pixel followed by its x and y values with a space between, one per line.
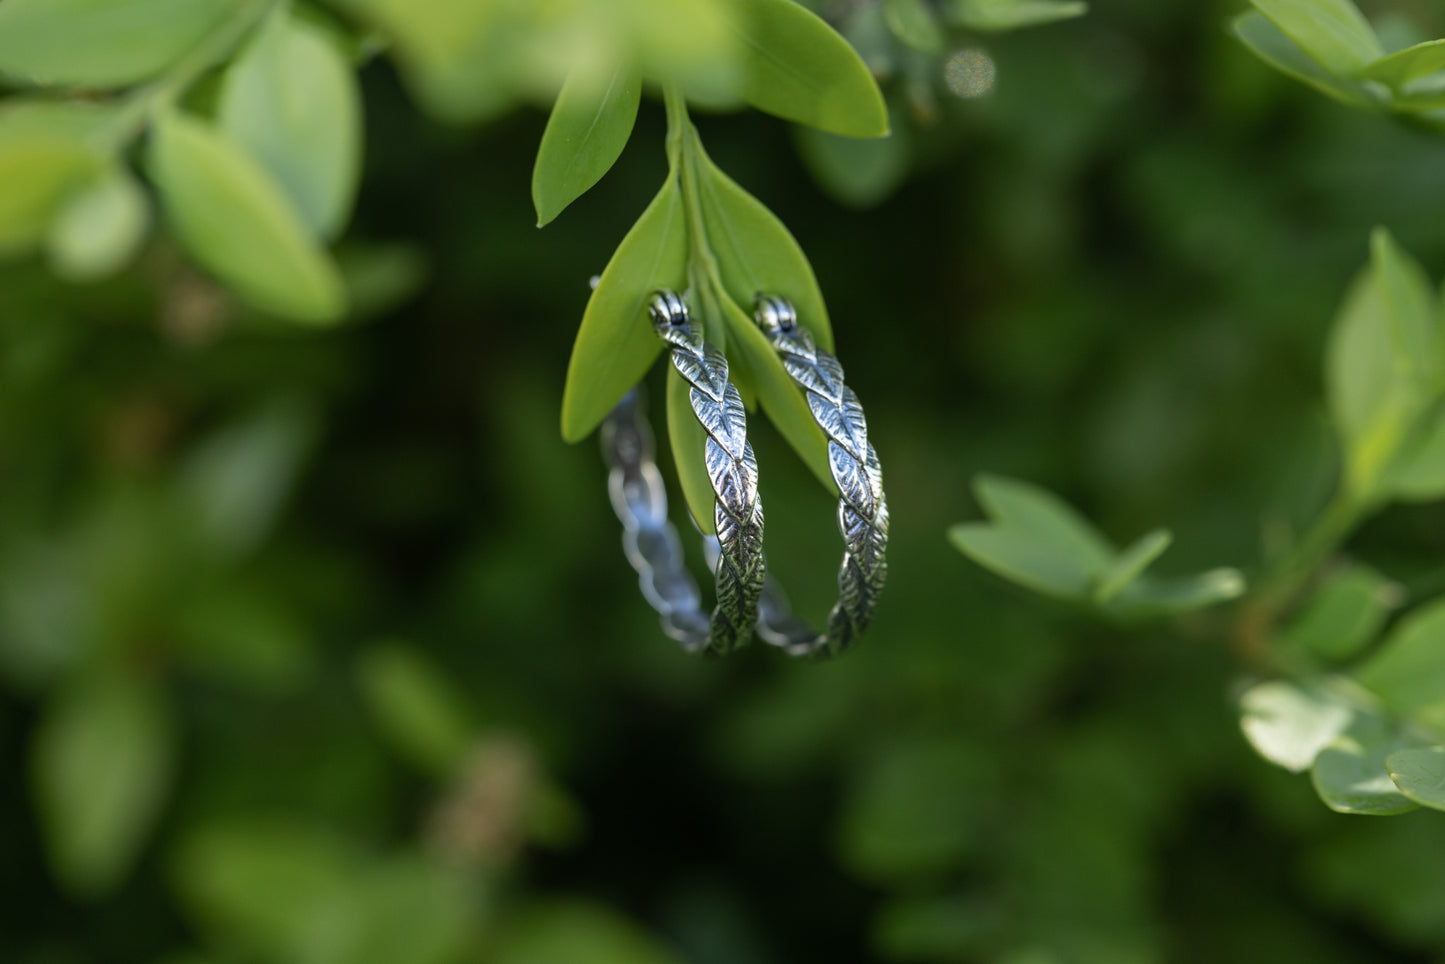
pixel 970 72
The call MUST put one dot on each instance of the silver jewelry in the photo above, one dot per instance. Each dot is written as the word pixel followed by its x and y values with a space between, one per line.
pixel 862 507
pixel 640 499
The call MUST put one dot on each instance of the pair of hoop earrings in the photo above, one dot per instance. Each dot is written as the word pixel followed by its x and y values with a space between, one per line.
pixel 747 600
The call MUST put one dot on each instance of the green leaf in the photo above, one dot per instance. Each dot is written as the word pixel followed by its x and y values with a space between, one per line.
pixel 99 227
pixel 1035 511
pixel 233 485
pixel 1039 541
pixel 1345 612
pixel 410 909
pixel 260 883
pixel 692 43
pixel 1381 365
pixel 1350 775
pixel 416 706
pixel 616 344
pixel 1131 563
pixel 1011 14
pixel 573 932
pixel 754 362
pixel 238 223
pixel 1332 32
pixel 291 101
pixel 102 767
pixel 46 152
pixel 755 252
pixel 1419 773
pixel 101 43
pixel 914 23
pixel 798 68
pixel 859 173
pixel 588 128
pixel 1419 476
pixel 1407 673
pixel 689 441
pixel 1412 63
pixel 1289 724
pixel 1271 45
pixel 1043 566
pixel 1152 596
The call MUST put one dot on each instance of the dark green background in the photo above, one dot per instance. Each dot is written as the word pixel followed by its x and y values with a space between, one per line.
pixel 1112 276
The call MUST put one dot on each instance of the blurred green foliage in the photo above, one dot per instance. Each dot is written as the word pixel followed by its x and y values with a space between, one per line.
pixel 317 645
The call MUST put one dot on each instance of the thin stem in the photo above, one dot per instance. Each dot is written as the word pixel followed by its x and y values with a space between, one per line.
pixel 1278 588
pixel 139 107
pixel 686 156
pixel 1340 518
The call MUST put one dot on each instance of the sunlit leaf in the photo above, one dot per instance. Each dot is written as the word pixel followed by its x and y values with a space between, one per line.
pixel 1131 563
pixel 755 252
pixel 1412 63
pixel 99 226
pixel 1350 775
pixel 1407 672
pixel 1289 724
pixel 586 132
pixel 1272 46
pixel 46 152
pixel 1419 773
pixel 1154 596
pixel 1011 14
pixel 1380 366
pixel 616 344
pixel 798 68
pixel 291 100
pixel 238 224
pixel 1043 566
pixel 1030 509
pixel 689 440
pixel 1039 541
pixel 1332 32
pixel 102 767
pixel 466 61
pixel 102 43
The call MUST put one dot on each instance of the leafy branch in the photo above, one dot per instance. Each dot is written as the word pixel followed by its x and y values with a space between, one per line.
pixel 1366 715
pixel 1329 45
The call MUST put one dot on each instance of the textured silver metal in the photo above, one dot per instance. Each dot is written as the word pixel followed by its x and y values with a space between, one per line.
pixel 640 500
pixel 639 497
pixel 862 507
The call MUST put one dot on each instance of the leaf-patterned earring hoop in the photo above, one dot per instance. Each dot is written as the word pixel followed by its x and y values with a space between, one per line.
pixel 640 499
pixel 862 506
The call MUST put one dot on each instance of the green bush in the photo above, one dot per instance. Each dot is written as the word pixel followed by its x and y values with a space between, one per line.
pixel 317 645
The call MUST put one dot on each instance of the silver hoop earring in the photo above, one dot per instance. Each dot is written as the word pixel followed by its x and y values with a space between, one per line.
pixel 862 506
pixel 640 499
